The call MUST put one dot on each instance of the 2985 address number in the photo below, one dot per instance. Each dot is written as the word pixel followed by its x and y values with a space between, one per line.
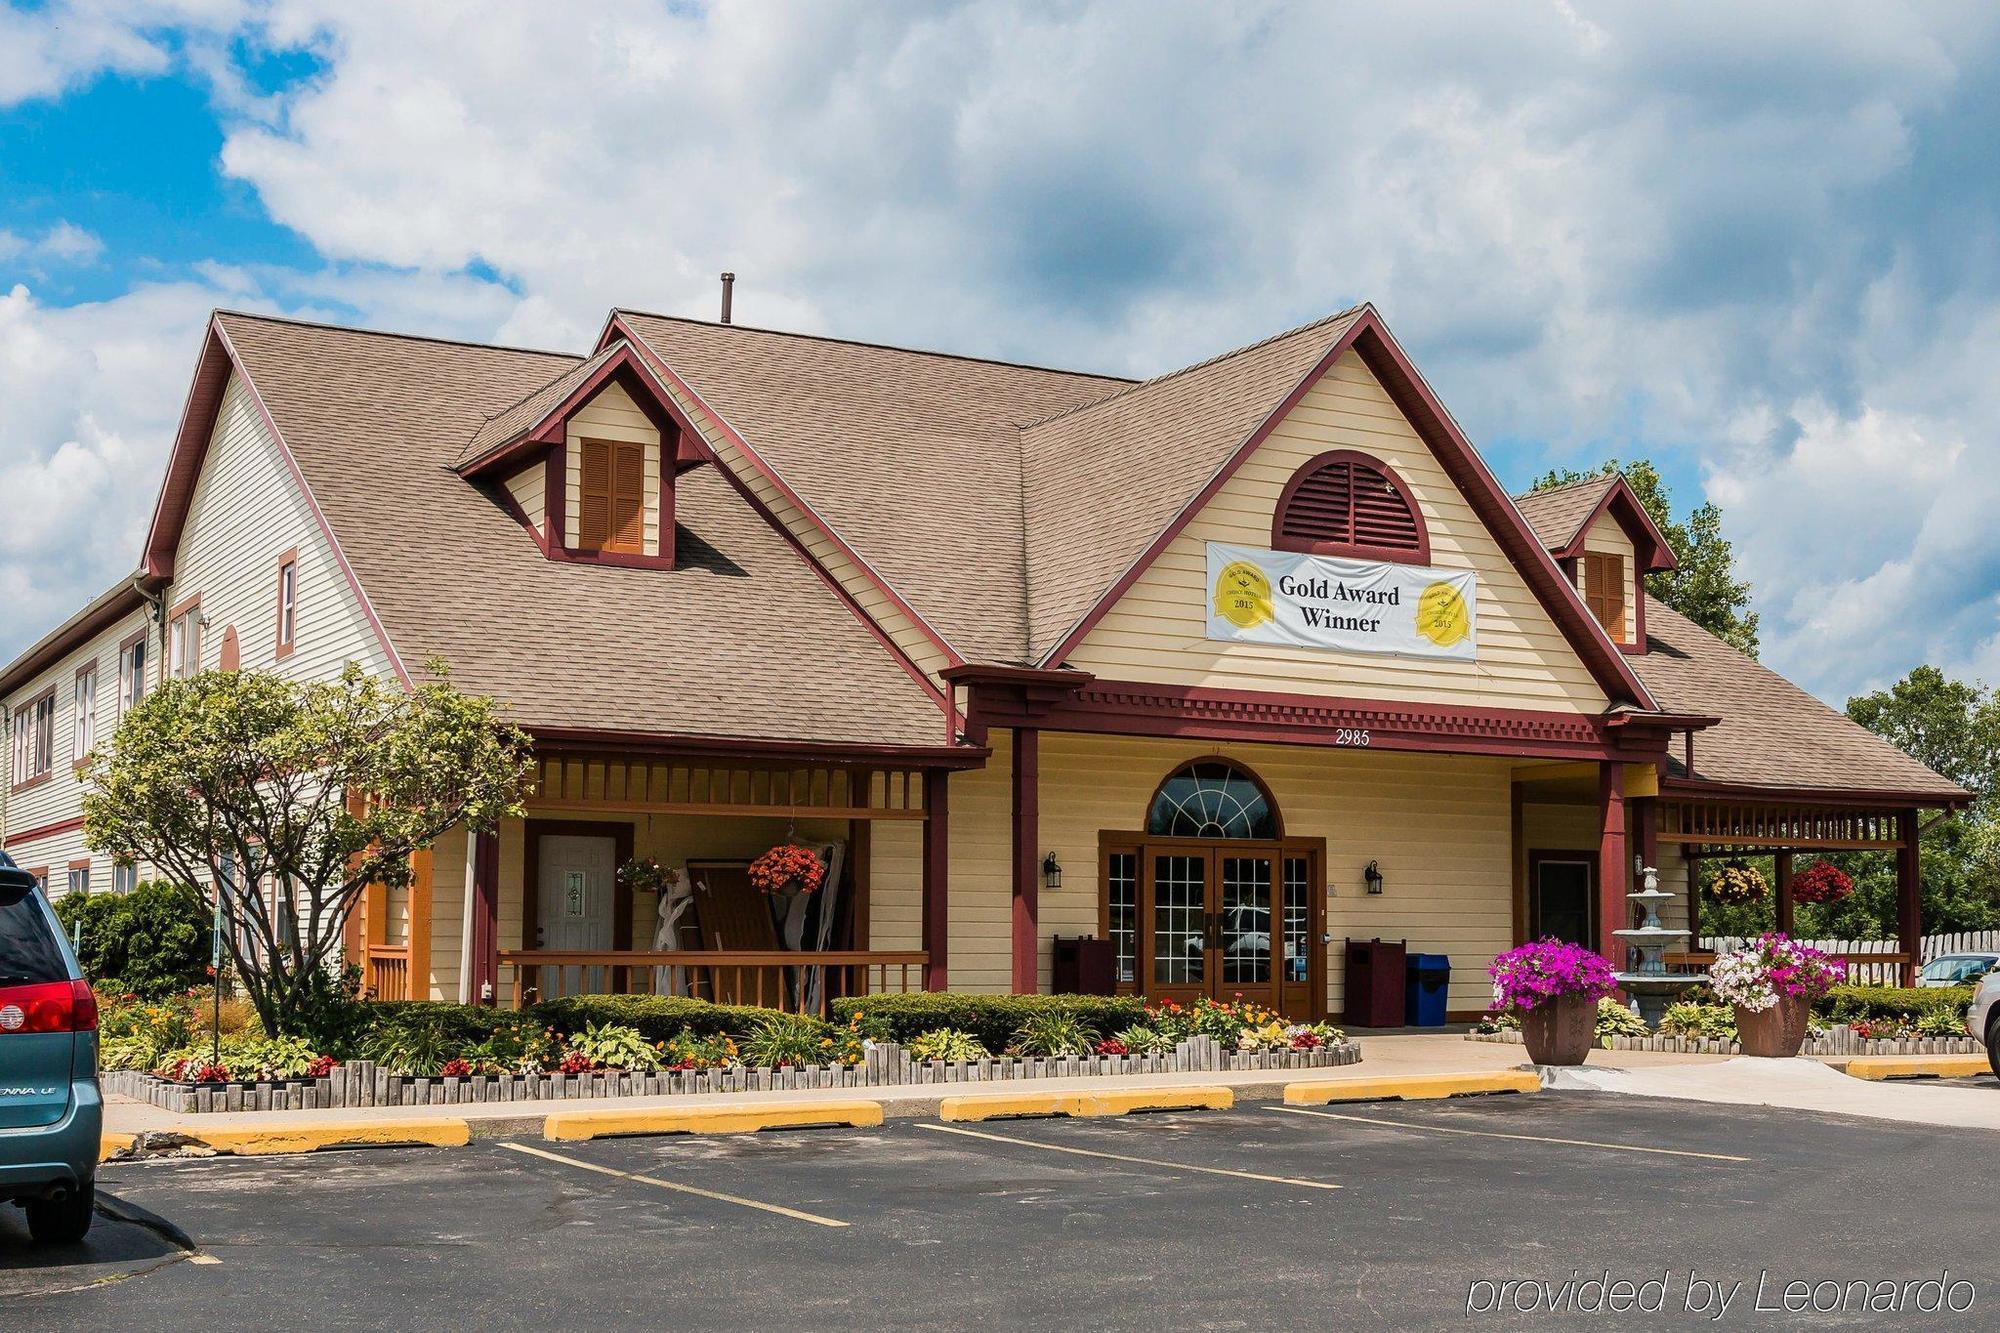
pixel 1350 736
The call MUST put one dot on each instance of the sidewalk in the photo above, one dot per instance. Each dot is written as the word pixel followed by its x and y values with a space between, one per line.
pixel 1389 1056
pixel 1801 1085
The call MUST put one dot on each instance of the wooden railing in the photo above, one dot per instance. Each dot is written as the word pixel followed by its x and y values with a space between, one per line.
pixel 768 979
pixel 389 972
pixel 1863 969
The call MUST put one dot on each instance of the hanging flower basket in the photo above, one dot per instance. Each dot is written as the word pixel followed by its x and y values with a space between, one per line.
pixel 788 868
pixel 645 874
pixel 1821 882
pixel 1738 882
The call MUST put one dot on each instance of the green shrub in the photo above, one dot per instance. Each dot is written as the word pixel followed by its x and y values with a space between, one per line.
pixel 657 1017
pixel 614 1046
pixel 1849 1004
pixel 1052 1033
pixel 1615 1020
pixel 992 1019
pixel 1702 1021
pixel 947 1044
pixel 153 941
pixel 787 1039
pixel 1142 1040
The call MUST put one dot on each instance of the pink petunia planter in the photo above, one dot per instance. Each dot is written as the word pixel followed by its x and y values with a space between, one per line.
pixel 1776 1033
pixel 1560 1031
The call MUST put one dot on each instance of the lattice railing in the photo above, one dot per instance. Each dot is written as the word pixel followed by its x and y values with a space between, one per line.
pixel 1755 824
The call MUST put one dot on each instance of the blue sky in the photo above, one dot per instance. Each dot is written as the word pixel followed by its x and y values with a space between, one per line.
pixel 1758 245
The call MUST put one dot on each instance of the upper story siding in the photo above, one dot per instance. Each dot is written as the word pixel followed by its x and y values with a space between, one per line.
pixel 1157 630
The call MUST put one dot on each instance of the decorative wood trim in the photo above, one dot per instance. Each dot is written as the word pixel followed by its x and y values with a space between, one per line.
pixel 1418 555
pixel 60 826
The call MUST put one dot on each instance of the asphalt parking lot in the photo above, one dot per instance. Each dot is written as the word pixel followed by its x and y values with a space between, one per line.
pixel 1383 1213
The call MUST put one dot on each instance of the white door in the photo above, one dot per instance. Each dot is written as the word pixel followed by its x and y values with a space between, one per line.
pixel 574 895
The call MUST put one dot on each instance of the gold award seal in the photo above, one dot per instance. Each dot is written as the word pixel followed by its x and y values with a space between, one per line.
pixel 1243 595
pixel 1442 616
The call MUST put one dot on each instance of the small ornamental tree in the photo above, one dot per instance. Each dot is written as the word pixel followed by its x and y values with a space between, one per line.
pixel 227 780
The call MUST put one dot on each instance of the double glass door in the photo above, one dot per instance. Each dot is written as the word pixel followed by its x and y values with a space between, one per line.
pixel 1220 919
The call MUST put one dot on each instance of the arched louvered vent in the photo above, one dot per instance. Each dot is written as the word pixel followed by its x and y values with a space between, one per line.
pixel 1346 503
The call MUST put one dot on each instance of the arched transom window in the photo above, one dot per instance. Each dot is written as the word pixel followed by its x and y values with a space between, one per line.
pixel 1212 798
pixel 1347 503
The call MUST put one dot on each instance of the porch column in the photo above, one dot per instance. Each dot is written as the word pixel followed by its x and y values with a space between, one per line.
pixel 486 917
pixel 1612 908
pixel 1909 897
pixel 1782 861
pixel 1027 771
pixel 937 863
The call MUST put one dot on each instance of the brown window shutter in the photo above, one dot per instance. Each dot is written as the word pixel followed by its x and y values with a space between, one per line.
pixel 593 505
pixel 628 499
pixel 1604 592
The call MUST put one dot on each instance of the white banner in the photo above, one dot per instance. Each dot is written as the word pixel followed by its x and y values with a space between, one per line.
pixel 1321 601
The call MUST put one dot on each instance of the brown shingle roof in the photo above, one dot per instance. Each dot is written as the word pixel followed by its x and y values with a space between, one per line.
pixel 1772 733
pixel 912 457
pixel 1556 514
pixel 510 422
pixel 745 640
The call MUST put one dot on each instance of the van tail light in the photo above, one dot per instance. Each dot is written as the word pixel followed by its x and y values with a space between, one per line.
pixel 50 1006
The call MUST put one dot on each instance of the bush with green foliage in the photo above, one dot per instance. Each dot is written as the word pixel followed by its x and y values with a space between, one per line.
pixel 946 1044
pixel 614 1046
pixel 153 941
pixel 777 1040
pixel 1851 1004
pixel 1704 1022
pixel 657 1017
pixel 1052 1033
pixel 1615 1020
pixel 993 1019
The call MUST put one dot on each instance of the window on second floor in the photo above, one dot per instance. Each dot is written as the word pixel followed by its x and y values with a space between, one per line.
pixel 288 603
pixel 611 500
pixel 83 729
pixel 184 642
pixel 131 673
pixel 79 878
pixel 1605 591
pixel 35 739
pixel 124 876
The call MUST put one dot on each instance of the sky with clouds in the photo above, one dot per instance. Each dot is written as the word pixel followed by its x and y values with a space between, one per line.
pixel 1758 244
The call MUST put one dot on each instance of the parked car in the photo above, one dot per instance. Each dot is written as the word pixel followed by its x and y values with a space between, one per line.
pixel 51 1113
pixel 1957 969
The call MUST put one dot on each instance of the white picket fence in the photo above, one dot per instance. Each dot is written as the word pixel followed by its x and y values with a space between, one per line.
pixel 1883 974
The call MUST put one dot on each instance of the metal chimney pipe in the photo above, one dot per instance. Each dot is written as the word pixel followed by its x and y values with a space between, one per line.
pixel 728 289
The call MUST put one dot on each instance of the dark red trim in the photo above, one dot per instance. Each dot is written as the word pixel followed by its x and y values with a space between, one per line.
pixel 1136 708
pixel 1025 775
pixel 936 923
pixel 658 364
pixel 1696 789
pixel 1909 896
pixel 555 499
pixel 283 646
pixel 610 559
pixel 61 826
pixel 724 747
pixel 484 973
pixel 1421 555
pixel 1613 910
pixel 105 610
pixel 623 368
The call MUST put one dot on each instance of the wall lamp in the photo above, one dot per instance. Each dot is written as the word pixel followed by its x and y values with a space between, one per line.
pixel 1051 872
pixel 1373 876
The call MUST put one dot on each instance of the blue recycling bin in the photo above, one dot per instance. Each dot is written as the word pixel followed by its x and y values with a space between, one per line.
pixel 1426 981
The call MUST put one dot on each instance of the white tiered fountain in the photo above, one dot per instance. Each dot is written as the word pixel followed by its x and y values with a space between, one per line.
pixel 1652 987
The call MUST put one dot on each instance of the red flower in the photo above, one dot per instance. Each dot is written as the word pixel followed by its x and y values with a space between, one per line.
pixel 788 868
pixel 1112 1046
pixel 457 1067
pixel 1821 882
pixel 321 1066
pixel 576 1062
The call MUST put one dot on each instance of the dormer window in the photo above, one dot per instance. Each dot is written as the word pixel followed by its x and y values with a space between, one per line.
pixel 611 501
pixel 1605 584
pixel 1347 503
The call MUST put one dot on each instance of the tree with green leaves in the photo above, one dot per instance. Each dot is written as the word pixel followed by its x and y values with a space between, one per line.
pixel 228 781
pixel 1705 588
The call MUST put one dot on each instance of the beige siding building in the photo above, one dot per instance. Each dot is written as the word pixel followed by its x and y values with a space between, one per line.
pixel 1183 687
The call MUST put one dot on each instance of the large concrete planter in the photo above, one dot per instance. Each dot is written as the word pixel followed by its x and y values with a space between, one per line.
pixel 1775 1033
pixel 1560 1031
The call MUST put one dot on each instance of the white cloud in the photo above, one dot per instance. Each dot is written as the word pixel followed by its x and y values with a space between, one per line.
pixel 1762 237
pixel 64 244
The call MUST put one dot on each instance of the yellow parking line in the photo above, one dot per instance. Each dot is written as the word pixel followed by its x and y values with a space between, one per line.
pixel 717 1195
pixel 1121 1157
pixel 1521 1138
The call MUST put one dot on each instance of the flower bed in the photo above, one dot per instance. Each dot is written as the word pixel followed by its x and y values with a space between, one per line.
pixel 1837 1040
pixel 884 1064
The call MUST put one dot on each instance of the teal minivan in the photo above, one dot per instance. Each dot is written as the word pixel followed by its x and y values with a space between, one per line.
pixel 51 1114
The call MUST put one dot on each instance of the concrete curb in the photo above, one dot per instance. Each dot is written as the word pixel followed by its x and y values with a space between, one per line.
pixel 575 1126
pixel 1084 1104
pixel 1414 1087
pixel 311 1136
pixel 1875 1068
